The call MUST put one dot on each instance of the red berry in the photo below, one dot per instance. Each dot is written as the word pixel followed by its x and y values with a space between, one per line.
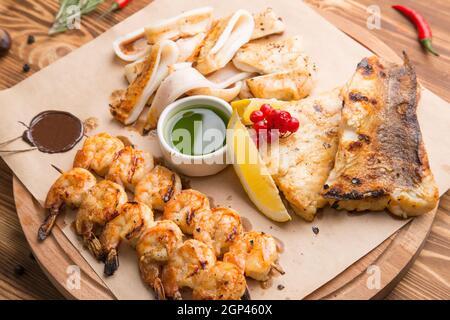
pixel 256 116
pixel 293 125
pixel 266 109
pixel 283 121
pixel 260 125
pixel 272 119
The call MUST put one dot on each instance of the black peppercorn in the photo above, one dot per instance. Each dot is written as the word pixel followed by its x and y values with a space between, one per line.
pixel 26 67
pixel 30 39
pixel 315 230
pixel 19 270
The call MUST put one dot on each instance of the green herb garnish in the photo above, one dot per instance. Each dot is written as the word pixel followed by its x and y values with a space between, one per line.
pixel 70 11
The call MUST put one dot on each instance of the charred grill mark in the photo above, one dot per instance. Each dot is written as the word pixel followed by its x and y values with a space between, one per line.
pixel 135 230
pixel 190 216
pixel 357 97
pixel 118 154
pixel 336 193
pixel 365 67
pixel 232 235
pixel 363 137
pixel 170 190
pixel 134 164
pixel 354 145
pixel 195 271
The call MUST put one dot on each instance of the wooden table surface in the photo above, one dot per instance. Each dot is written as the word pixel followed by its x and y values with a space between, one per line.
pixel 20 275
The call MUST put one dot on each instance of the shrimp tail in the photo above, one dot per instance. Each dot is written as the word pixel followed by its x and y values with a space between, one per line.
pixel 111 262
pixel 46 227
pixel 95 247
pixel 159 289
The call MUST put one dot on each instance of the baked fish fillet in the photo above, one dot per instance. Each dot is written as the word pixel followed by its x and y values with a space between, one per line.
pixel 301 163
pixel 381 160
pixel 266 57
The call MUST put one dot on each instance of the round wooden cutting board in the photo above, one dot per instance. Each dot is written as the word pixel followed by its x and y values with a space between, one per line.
pixel 392 257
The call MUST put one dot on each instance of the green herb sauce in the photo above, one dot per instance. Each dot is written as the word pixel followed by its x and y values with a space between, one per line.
pixel 197 130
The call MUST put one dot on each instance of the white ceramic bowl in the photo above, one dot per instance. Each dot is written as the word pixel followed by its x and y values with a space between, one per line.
pixel 198 165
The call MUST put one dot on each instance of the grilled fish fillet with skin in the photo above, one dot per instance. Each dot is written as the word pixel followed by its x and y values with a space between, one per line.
pixel 300 163
pixel 381 160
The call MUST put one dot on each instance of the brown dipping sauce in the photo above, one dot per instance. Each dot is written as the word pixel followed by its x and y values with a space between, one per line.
pixel 54 131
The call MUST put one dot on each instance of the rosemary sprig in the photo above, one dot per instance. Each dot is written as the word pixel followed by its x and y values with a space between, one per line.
pixel 67 15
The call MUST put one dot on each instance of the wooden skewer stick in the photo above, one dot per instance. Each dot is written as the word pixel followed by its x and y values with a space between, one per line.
pixel 10 140
pixel 57 169
pixel 18 150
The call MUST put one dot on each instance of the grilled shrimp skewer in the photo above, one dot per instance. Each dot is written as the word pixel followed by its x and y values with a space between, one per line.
pixel 255 253
pixel 68 190
pixel 158 187
pixel 133 219
pixel 183 208
pixel 99 205
pixel 154 248
pixel 129 166
pixel 185 265
pixel 224 281
pixel 218 228
pixel 98 153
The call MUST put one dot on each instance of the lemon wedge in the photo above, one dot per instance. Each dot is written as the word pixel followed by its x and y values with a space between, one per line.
pixel 253 173
pixel 246 106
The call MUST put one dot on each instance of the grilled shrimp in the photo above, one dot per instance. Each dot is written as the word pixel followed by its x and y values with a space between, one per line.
pixel 183 208
pixel 129 167
pixel 185 265
pixel 154 249
pixel 98 153
pixel 68 190
pixel 99 205
pixel 224 281
pixel 157 187
pixel 255 253
pixel 218 228
pixel 133 219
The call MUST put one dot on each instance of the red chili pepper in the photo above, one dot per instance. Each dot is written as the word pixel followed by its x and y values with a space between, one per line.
pixel 422 26
pixel 117 5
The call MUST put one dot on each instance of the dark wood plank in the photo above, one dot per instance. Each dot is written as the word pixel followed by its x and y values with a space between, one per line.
pixel 398 33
